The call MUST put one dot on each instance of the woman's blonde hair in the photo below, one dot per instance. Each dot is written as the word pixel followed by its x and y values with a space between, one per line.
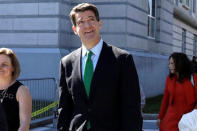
pixel 14 61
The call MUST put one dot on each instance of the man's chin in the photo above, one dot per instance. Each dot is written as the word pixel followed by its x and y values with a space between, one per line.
pixel 89 36
pixel 90 39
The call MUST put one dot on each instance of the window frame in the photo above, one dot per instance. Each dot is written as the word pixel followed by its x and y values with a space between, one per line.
pixel 185 4
pixel 193 6
pixel 183 40
pixel 151 31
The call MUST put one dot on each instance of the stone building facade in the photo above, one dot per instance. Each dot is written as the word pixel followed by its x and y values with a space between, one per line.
pixel 40 32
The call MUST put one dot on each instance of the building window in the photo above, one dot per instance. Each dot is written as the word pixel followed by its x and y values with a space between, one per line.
pixel 195 45
pixel 194 6
pixel 177 2
pixel 183 40
pixel 185 3
pixel 151 26
pixel 151 18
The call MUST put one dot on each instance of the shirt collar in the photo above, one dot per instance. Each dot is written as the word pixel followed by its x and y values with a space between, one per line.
pixel 95 50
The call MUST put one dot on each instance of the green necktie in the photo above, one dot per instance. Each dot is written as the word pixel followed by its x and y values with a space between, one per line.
pixel 88 72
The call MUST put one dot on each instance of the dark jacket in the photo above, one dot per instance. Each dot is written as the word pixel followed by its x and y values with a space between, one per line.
pixel 114 100
pixel 194 67
pixel 3 121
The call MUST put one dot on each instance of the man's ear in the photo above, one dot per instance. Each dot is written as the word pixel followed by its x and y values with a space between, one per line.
pixel 74 29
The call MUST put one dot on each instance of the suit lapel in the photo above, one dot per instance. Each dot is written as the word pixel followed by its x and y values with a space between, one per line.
pixel 78 72
pixel 96 75
pixel 98 70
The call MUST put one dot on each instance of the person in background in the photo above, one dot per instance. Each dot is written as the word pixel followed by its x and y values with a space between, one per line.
pixel 99 86
pixel 3 122
pixel 14 96
pixel 194 62
pixel 179 94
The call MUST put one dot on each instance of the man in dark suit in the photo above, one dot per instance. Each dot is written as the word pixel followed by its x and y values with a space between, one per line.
pixel 99 88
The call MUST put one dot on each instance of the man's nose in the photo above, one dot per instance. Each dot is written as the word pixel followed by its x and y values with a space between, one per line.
pixel 87 24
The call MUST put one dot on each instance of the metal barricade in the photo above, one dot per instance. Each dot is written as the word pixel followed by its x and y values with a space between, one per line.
pixel 44 95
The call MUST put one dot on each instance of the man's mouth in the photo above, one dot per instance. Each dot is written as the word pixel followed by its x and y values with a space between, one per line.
pixel 88 32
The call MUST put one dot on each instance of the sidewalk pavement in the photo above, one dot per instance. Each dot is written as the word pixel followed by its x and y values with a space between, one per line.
pixel 149 116
pixel 44 128
pixel 50 127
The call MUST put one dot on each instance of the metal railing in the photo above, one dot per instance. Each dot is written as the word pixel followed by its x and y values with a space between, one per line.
pixel 44 95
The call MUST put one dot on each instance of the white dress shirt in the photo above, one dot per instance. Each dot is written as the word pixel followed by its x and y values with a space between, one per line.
pixel 96 50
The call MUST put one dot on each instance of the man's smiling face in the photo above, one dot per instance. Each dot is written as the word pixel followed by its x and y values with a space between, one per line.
pixel 87 28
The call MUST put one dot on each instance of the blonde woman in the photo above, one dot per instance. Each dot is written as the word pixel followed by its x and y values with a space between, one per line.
pixel 14 96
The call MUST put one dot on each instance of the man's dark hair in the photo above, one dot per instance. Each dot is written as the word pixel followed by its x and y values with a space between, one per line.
pixel 82 8
pixel 183 66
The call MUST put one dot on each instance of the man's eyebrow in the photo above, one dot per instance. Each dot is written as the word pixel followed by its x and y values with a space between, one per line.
pixel 91 16
pixel 79 19
pixel 5 62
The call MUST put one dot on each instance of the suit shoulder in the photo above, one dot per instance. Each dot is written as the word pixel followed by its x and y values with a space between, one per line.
pixel 71 56
pixel 118 52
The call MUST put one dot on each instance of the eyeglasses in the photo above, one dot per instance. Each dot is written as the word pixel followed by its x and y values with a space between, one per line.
pixel 87 22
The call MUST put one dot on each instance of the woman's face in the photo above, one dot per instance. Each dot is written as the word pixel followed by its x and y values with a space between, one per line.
pixel 6 68
pixel 172 66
